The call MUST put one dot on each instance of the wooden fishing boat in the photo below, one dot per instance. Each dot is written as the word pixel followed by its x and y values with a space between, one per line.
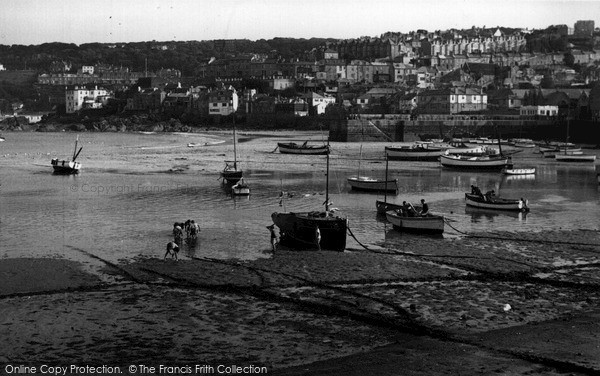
pixel 495 203
pixel 524 143
pixel 240 188
pixel 482 162
pixel 230 173
pixel 414 152
pixel 579 157
pixel 519 171
pixel 364 183
pixel 66 167
pixel 383 206
pixel 298 229
pixel 294 148
pixel 428 223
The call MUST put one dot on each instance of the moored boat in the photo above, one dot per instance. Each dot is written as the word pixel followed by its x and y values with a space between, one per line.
pixel 240 188
pixel 294 148
pixel 231 174
pixel 519 171
pixel 579 157
pixel 483 162
pixel 415 152
pixel 66 167
pixel 428 223
pixel 364 183
pixel 298 230
pixel 495 203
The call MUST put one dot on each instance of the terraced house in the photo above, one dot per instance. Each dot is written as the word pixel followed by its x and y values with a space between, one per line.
pixel 453 100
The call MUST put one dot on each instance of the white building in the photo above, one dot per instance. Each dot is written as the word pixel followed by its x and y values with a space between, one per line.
pixel 222 102
pixel 77 98
pixel 538 111
pixel 318 102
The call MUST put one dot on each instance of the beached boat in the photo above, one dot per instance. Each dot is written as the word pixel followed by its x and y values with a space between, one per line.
pixel 495 203
pixel 519 171
pixel 383 206
pixel 230 173
pixel 578 157
pixel 478 162
pixel 524 143
pixel 364 183
pixel 598 173
pixel 240 188
pixel 66 167
pixel 428 223
pixel 294 148
pixel 298 229
pixel 471 150
pixel 414 152
pixel 2 138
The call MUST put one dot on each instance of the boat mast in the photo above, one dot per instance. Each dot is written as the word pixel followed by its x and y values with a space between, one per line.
pixel 327 180
pixel 386 178
pixel 75 150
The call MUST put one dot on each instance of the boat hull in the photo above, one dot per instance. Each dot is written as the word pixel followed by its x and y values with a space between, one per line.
pixel 232 176
pixel 383 207
pixel 240 190
pixel 518 171
pixel 495 203
pixel 297 230
pixel 373 185
pixel 413 153
pixel 293 148
pixel 574 158
pixel 63 167
pixel 475 162
pixel 428 224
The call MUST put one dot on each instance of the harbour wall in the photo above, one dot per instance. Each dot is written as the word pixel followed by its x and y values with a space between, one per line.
pixel 400 128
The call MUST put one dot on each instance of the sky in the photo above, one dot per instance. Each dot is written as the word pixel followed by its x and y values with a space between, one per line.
pixel 35 22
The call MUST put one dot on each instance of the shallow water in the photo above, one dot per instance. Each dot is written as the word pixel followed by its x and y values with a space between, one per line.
pixel 132 188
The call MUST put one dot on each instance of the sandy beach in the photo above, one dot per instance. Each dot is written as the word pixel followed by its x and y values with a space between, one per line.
pixel 487 303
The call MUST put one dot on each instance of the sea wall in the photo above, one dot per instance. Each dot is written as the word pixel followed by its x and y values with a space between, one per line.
pixel 402 128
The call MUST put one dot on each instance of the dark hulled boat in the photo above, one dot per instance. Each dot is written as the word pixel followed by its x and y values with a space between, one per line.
pixel 298 229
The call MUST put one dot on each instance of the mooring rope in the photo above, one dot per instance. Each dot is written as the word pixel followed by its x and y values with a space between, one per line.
pixel 516 238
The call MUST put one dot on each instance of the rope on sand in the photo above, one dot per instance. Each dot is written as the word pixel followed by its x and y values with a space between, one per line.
pixel 361 244
pixel 516 238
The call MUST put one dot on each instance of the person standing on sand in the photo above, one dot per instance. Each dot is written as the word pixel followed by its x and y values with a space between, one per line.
pixel 177 233
pixel 273 237
pixel 318 237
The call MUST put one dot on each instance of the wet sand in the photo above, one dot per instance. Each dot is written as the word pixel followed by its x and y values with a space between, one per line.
pixel 434 309
pixel 500 303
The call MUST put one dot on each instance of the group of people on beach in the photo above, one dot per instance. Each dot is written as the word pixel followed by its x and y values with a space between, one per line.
pixel 189 229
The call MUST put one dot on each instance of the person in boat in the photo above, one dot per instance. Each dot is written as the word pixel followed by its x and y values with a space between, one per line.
pixel 409 210
pixel 172 249
pixel 476 191
pixel 425 209
pixel 489 195
pixel 273 237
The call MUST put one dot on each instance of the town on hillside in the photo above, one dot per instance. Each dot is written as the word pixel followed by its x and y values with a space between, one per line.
pixel 476 73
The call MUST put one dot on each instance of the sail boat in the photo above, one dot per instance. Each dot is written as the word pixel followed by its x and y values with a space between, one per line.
pixel 567 156
pixel 65 167
pixel 365 183
pixel 383 206
pixel 298 230
pixel 230 173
